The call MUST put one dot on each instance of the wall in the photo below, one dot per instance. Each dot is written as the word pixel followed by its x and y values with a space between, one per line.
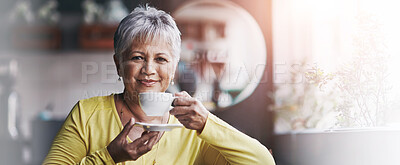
pixel 60 79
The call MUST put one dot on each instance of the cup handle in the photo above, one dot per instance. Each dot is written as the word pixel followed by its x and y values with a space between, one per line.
pixel 173 98
pixel 172 106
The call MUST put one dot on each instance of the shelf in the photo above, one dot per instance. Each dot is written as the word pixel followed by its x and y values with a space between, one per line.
pixel 36 37
pixel 97 36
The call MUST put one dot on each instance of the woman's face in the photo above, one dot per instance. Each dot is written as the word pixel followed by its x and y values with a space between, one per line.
pixel 148 67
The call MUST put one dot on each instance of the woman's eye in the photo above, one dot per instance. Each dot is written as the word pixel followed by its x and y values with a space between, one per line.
pixel 137 58
pixel 160 59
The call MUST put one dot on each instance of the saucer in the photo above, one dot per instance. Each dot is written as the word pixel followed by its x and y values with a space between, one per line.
pixel 158 127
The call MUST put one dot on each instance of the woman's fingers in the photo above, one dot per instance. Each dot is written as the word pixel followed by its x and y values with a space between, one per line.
pixel 192 122
pixel 189 111
pixel 117 148
pixel 187 118
pixel 191 117
pixel 184 119
pixel 183 94
pixel 143 140
pixel 121 151
pixel 153 140
pixel 180 110
pixel 183 98
pixel 147 146
pixel 127 128
pixel 184 101
pixel 143 144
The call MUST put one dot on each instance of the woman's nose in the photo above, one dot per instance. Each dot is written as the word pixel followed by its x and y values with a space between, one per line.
pixel 148 68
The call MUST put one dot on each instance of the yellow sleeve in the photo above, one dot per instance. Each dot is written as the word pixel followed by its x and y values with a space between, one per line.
pixel 70 145
pixel 226 145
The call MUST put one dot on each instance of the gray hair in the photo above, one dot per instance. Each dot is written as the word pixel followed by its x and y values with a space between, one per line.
pixel 143 25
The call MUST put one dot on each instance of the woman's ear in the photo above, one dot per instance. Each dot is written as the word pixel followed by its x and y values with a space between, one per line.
pixel 117 65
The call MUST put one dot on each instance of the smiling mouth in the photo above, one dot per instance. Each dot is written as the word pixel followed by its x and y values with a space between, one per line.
pixel 148 83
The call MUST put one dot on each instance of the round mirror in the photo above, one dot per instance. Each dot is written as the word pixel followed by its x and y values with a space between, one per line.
pixel 223 52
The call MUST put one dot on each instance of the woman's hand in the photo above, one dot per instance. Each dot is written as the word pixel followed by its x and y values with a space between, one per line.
pixel 189 111
pixel 120 150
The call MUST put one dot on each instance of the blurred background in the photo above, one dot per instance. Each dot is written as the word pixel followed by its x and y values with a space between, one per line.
pixel 315 80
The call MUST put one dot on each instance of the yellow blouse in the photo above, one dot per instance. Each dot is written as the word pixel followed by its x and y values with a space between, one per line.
pixel 93 123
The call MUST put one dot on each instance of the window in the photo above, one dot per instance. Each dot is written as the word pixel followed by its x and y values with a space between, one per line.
pixel 331 35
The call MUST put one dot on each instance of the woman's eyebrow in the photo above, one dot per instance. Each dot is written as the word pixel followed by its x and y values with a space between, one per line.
pixel 162 53
pixel 135 51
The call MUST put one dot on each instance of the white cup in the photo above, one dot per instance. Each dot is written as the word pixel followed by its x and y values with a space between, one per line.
pixel 156 103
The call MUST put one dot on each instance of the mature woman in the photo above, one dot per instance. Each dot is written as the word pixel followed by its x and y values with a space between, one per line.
pixel 101 130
